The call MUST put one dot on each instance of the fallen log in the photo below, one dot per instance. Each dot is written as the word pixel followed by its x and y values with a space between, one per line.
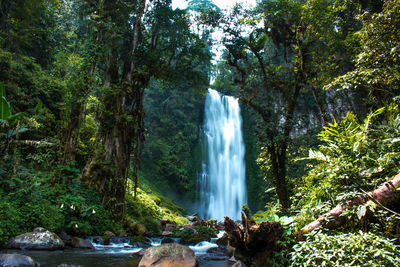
pixel 253 243
pixel 380 196
pixel 35 143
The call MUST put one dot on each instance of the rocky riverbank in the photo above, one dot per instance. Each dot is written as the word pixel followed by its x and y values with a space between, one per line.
pixel 197 243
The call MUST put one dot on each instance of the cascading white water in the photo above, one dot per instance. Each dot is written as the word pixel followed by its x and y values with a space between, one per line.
pixel 222 181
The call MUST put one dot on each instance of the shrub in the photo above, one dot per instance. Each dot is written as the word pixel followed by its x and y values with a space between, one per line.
pixel 354 156
pixel 345 249
pixel 152 224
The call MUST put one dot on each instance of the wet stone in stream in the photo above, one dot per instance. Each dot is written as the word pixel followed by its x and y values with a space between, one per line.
pixel 119 254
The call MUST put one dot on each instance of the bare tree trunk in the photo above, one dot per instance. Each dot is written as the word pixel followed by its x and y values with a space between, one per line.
pixel 333 218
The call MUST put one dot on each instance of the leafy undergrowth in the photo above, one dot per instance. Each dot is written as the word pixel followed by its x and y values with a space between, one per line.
pixel 149 207
pixel 31 200
pixel 345 249
pixel 355 157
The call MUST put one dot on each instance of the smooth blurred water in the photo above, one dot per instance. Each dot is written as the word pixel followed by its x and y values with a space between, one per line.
pixel 112 255
pixel 222 180
pixel 202 247
pixel 84 258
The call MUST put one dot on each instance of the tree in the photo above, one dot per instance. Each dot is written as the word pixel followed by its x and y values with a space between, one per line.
pixel 132 47
pixel 377 69
pixel 29 28
pixel 281 52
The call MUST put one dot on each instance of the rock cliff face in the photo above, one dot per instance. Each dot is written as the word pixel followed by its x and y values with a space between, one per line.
pixel 168 255
pixel 39 239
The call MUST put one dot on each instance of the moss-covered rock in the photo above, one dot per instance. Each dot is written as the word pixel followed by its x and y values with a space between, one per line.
pixel 194 235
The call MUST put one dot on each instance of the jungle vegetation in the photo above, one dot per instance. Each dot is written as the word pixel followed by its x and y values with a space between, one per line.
pixel 101 104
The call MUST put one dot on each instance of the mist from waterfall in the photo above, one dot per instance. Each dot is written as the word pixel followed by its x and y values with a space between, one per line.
pixel 222 179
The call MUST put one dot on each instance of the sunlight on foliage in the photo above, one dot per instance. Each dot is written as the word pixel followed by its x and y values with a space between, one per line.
pixel 345 249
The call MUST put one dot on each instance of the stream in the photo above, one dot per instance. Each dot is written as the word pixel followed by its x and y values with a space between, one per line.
pixel 115 254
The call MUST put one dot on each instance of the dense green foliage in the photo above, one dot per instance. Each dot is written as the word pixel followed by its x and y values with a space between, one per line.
pixel 101 107
pixel 354 157
pixel 345 249
pixel 171 155
pixel 334 140
pixel 57 100
pixel 31 200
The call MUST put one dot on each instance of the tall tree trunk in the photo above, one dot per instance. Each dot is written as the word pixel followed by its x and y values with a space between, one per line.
pixel 70 137
pixel 106 170
pixel 320 105
pixel 120 124
pixel 278 163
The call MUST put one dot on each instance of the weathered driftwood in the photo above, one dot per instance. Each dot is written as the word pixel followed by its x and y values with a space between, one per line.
pixel 381 195
pixel 253 242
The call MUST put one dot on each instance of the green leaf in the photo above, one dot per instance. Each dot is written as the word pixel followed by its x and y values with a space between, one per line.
pixel 2 90
pixel 286 220
pixel 39 106
pixel 5 110
pixel 13 132
pixel 17 116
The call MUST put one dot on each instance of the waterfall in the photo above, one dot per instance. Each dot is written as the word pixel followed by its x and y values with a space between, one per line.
pixel 222 179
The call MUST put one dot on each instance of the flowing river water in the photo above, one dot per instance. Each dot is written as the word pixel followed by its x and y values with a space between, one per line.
pixel 121 254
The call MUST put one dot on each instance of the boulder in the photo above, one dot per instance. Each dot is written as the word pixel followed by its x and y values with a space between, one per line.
pixel 168 255
pixel 81 243
pixel 109 234
pixel 218 251
pixel 39 239
pixel 193 239
pixel 16 260
pixel 98 240
pixel 169 227
pixel 216 258
pixel 144 244
pixel 166 233
pixel 239 264
pixel 140 252
pixel 64 236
